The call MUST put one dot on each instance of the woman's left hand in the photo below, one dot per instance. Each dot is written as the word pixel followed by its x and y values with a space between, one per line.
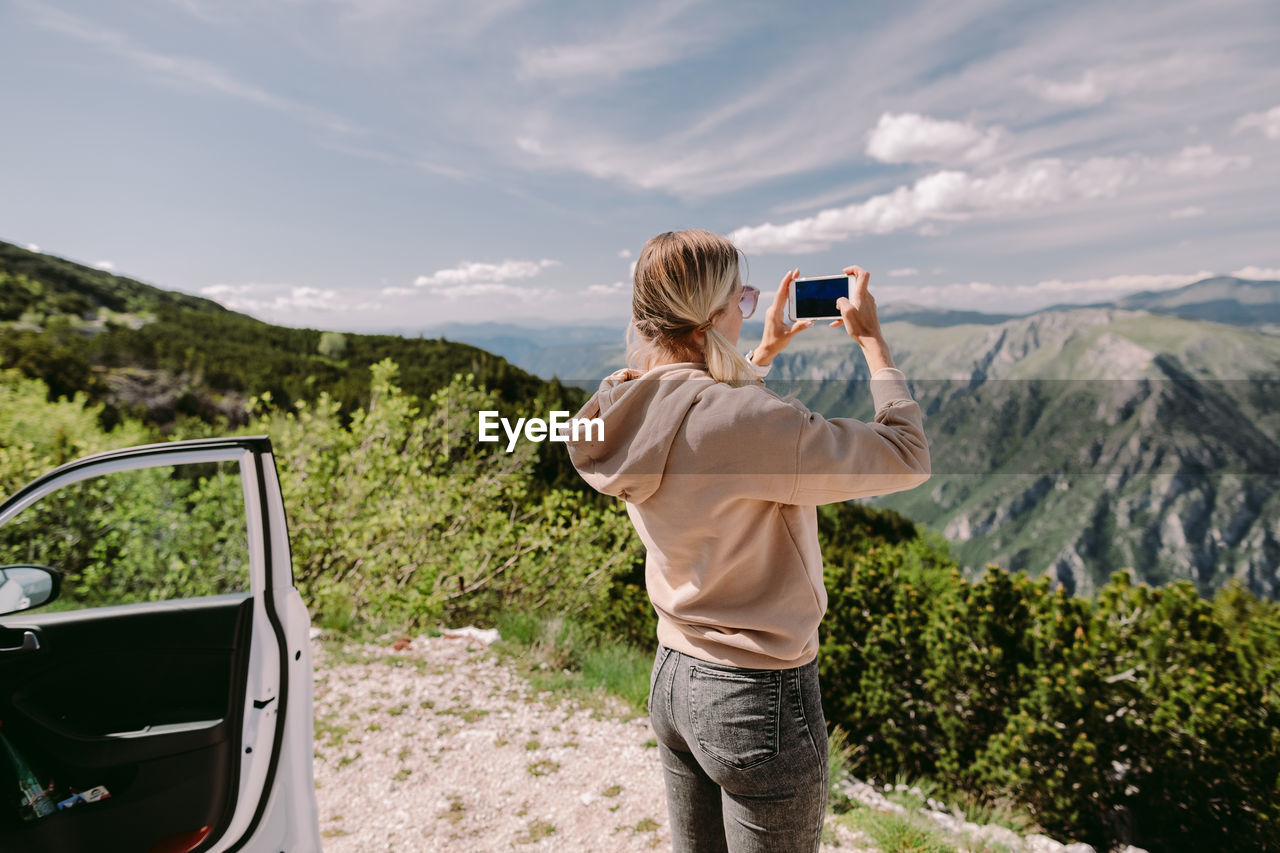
pixel 777 334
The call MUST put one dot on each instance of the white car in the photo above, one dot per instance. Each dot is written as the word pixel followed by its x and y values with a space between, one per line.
pixel 155 664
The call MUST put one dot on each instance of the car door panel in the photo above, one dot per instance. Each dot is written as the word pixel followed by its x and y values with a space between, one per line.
pixel 148 681
pixel 178 708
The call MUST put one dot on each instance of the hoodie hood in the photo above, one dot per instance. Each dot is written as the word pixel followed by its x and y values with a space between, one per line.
pixel 641 414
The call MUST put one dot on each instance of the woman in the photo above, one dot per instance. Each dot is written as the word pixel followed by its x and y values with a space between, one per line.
pixel 722 478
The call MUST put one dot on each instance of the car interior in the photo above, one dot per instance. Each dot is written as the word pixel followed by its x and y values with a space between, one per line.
pixel 143 701
pixel 122 699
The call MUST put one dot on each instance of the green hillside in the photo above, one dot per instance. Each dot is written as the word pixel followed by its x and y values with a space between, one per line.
pixel 162 354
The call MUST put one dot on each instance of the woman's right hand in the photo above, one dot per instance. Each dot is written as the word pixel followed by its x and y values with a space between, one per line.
pixel 858 312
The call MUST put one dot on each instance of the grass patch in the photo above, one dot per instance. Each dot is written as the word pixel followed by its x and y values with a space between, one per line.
pixel 621 670
pixel 912 796
pixel 1000 812
pixel 467 715
pixel 535 832
pixel 840 761
pixel 329 732
pixel 341 650
pixel 559 656
pixel 545 767
pixel 893 833
pixel 456 810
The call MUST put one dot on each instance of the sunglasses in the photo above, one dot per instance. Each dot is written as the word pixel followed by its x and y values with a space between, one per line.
pixel 747 304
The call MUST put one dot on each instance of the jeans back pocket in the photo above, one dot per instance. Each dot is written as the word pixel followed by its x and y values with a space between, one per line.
pixel 734 713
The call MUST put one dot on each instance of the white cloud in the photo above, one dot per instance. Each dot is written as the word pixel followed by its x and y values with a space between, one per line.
pixel 475 14
pixel 104 265
pixel 472 272
pixel 903 272
pixel 1101 82
pixel 1190 212
pixel 951 195
pixel 1258 273
pixel 32 247
pixel 1084 92
pixel 945 196
pixel 608 58
pixel 469 291
pixel 1268 122
pixel 214 290
pixel 1200 161
pixel 605 289
pixel 1115 284
pixel 625 253
pixel 1015 298
pixel 414 162
pixel 282 302
pixel 747 141
pixel 654 37
pixel 399 291
pixel 915 138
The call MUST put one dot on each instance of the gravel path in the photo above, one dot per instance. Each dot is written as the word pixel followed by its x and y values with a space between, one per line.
pixel 439 746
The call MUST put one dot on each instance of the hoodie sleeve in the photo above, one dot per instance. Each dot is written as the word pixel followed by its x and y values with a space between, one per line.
pixel 838 459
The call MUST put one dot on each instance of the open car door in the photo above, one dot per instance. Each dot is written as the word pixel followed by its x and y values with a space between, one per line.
pixel 162 700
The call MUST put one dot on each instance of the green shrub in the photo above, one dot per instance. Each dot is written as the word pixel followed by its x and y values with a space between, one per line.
pixel 1147 715
pixel 399 507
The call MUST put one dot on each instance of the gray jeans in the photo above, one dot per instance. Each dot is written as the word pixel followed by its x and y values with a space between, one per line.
pixel 744 754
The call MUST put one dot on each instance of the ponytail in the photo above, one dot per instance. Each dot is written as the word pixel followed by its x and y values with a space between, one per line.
pixel 725 363
pixel 682 280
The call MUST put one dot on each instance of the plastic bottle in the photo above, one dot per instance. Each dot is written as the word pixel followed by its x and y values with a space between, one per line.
pixel 36 802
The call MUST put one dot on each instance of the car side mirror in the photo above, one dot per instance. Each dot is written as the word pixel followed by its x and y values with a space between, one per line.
pixel 24 586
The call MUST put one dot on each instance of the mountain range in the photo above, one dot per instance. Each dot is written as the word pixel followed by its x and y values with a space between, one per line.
pixel 1140 433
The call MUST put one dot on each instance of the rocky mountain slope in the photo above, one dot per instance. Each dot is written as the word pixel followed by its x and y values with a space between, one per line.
pixel 1074 440
pixel 1080 442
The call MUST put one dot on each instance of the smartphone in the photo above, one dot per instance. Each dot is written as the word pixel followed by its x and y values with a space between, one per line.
pixel 814 298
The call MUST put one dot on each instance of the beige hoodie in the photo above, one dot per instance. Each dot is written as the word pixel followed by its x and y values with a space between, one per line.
pixel 722 484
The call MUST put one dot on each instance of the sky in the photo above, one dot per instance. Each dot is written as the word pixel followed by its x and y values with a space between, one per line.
pixel 375 164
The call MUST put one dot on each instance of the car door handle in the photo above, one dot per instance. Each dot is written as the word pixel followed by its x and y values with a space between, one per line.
pixel 30 643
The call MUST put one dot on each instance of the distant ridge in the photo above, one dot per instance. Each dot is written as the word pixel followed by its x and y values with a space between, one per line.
pixel 923 315
pixel 1221 299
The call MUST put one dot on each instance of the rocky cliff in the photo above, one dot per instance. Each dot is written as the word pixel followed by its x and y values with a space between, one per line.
pixel 1080 442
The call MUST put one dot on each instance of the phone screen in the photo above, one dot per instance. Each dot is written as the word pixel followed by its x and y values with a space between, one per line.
pixel 817 297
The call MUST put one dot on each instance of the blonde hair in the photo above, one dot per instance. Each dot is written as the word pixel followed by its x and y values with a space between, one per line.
pixel 683 279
